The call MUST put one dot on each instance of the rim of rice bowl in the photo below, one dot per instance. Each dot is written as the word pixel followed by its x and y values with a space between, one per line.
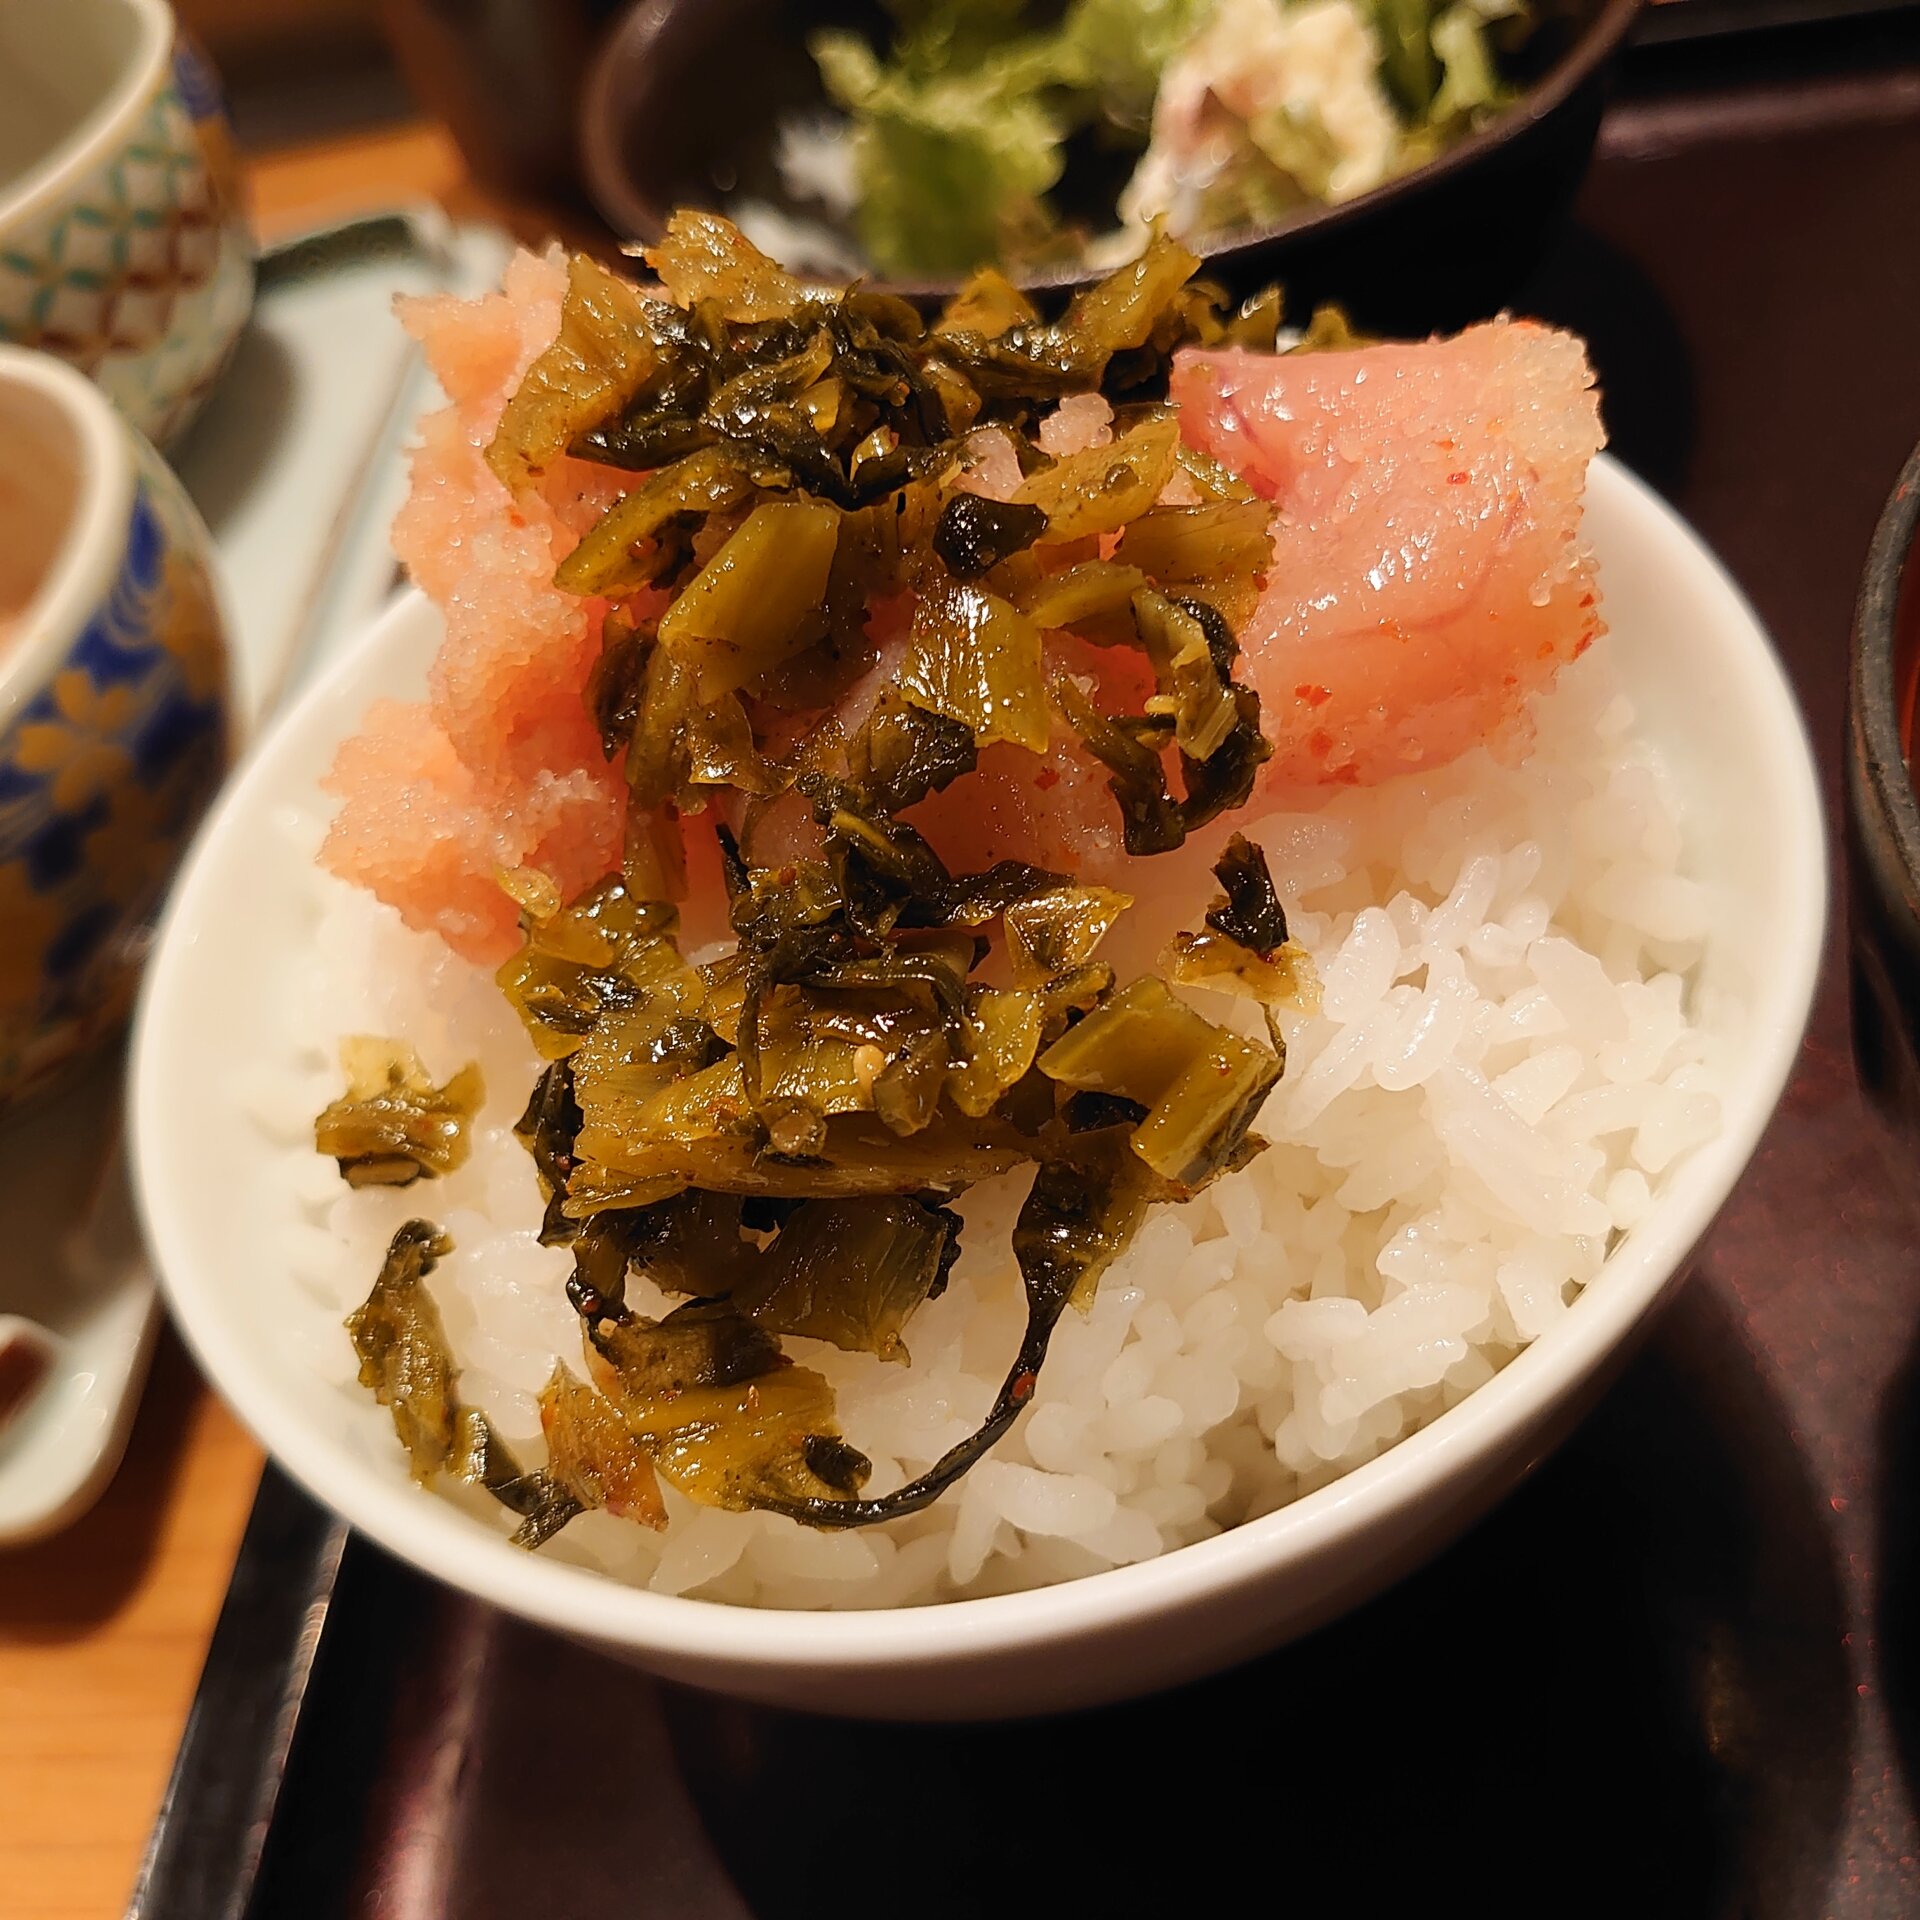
pixel 1495 1417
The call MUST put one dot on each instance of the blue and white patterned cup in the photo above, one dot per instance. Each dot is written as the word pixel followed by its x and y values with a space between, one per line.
pixel 123 244
pixel 113 707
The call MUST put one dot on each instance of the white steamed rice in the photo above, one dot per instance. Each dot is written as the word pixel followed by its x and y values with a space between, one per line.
pixel 1504 1067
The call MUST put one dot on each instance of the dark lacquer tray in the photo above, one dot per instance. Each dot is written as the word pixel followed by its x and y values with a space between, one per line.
pixel 1679 1673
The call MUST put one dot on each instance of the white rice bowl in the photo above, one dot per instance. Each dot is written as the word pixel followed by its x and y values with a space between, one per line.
pixel 1506 1065
pixel 233 1053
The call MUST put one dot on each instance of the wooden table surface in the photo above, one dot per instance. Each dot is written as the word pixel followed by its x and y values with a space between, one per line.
pixel 103 1627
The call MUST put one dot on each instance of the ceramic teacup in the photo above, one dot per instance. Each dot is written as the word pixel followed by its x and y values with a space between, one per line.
pixel 113 707
pixel 122 242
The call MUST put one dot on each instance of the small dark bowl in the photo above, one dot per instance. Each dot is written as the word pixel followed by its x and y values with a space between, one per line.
pixel 1883 812
pixel 683 99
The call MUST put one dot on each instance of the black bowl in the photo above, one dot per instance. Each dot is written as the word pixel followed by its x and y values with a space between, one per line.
pixel 683 99
pixel 1883 812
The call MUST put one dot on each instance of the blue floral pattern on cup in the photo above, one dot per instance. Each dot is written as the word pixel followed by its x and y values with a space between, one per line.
pixel 103 775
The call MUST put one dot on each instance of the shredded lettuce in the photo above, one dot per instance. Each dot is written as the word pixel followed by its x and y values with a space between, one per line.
pixel 1116 49
pixel 1407 63
pixel 1469 81
pixel 961 130
pixel 952 154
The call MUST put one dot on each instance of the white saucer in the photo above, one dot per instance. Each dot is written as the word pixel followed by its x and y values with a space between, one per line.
pixel 89 1288
pixel 296 464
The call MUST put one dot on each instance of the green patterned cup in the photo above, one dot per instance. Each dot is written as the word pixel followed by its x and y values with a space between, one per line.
pixel 123 248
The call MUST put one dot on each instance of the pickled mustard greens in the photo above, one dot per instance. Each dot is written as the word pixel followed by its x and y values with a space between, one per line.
pixel 1243 948
pixel 774 1131
pixel 725 1415
pixel 403 1349
pixel 404 1358
pixel 593 1461
pixel 393 1125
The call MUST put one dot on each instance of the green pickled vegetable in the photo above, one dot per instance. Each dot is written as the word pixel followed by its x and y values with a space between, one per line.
pixel 1249 911
pixel 640 1050
pixel 405 1360
pixel 1219 552
pixel 591 1455
pixel 1056 932
pixel 547 1130
pixel 1193 691
pixel 1243 947
pixel 822 1053
pixel 1088 597
pixel 705 258
pixel 702 1345
pixel 582 960
pixel 540 1499
pixel 1214 481
pixel 760 599
pixel 975 534
pixel 403 1348
pixel 976 659
pixel 770 392
pixel 1201 1086
pixel 1329 331
pixel 1101 488
pixel 1121 312
pixel 989 305
pixel 694 1242
pixel 903 753
pixel 393 1125
pixel 723 1414
pixel 1076 1220
pixel 999 1036
pixel 1223 783
pixel 773 1132
pixel 603 352
pixel 768 1443
pixel 1151 820
pixel 851 1272
pixel 630 547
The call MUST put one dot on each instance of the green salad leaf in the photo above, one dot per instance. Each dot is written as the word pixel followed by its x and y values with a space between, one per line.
pixel 952 154
pixel 1116 49
pixel 964 126
pixel 1469 81
pixel 1408 66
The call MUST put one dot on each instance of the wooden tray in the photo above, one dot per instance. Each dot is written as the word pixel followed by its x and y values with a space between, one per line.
pixel 1678 1674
